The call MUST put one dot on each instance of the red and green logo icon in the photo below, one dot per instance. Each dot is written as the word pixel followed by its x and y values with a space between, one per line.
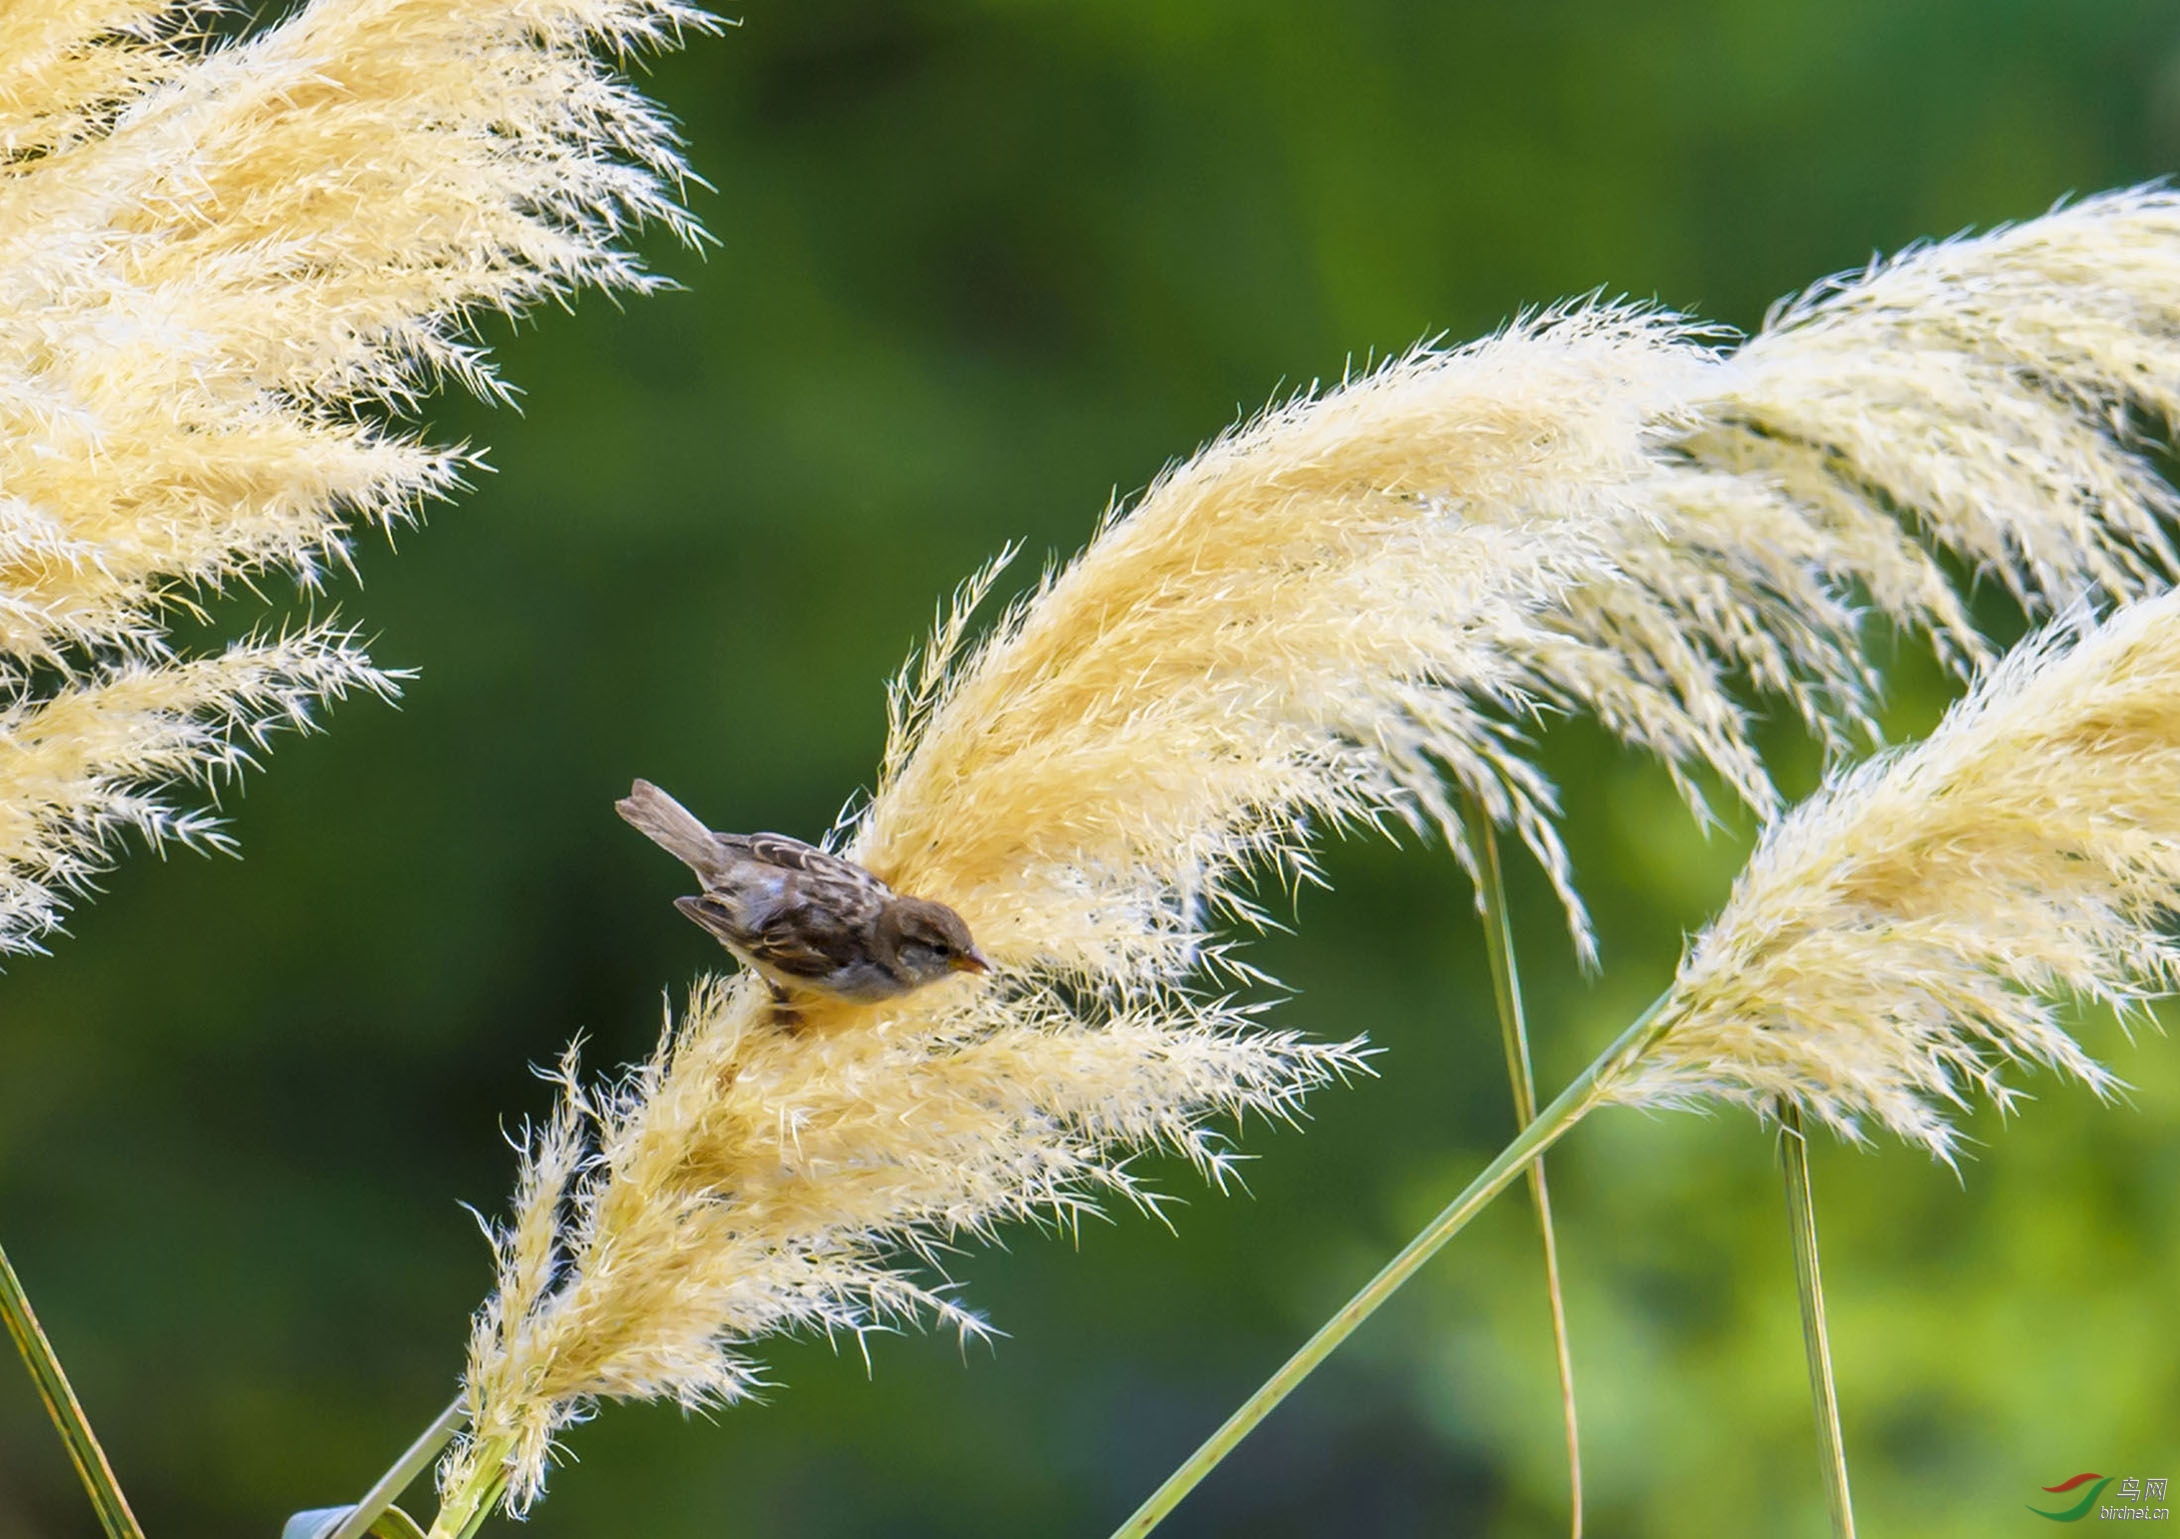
pixel 2086 1505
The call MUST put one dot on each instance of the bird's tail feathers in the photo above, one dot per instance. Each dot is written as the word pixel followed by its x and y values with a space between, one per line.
pixel 669 825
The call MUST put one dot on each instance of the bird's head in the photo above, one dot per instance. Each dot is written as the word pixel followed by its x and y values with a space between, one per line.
pixel 928 940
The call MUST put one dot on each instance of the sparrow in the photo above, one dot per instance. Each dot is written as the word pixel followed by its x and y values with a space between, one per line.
pixel 803 919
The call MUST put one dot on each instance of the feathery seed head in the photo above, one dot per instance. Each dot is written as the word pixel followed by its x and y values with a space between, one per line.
pixel 99 756
pixel 1994 387
pixel 221 267
pixel 746 1182
pixel 1333 612
pixel 1310 620
pixel 1903 935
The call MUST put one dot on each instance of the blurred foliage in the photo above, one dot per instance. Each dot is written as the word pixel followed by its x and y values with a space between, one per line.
pixel 980 265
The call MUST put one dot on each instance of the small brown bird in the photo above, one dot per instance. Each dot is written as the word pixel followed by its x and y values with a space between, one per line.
pixel 802 918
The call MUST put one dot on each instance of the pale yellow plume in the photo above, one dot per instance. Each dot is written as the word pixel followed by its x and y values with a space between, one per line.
pixel 1924 921
pixel 68 65
pixel 1311 620
pixel 223 269
pixel 1998 388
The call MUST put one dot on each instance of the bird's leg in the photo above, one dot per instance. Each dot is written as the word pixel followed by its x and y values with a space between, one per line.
pixel 784 1014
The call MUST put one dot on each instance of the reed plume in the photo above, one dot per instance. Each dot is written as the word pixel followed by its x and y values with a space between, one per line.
pixel 1300 624
pixel 70 63
pixel 1340 614
pixel 96 758
pixel 1998 389
pixel 1315 619
pixel 224 271
pixel 1718 518
pixel 1902 937
pixel 1997 395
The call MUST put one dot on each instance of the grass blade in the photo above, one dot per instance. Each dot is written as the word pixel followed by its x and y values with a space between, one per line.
pixel 387 1489
pixel 67 1412
pixel 1801 1213
pixel 1514 1035
pixel 1553 1123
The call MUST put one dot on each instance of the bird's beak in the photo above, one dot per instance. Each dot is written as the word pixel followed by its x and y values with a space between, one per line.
pixel 971 961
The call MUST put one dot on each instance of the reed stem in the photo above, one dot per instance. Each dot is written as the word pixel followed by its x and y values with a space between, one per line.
pixel 464 1509
pixel 1801 1213
pixel 1572 1105
pixel 1514 1036
pixel 67 1412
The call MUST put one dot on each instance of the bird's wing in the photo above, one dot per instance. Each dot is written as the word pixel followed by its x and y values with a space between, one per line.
pixel 793 855
pixel 793 940
pixel 811 930
pixel 806 941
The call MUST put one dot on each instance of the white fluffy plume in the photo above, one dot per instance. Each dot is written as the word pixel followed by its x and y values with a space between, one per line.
pixel 1926 920
pixel 223 270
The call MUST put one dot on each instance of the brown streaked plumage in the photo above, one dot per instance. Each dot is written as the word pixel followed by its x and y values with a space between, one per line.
pixel 804 919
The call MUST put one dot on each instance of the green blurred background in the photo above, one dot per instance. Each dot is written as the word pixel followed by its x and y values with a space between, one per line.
pixel 980 266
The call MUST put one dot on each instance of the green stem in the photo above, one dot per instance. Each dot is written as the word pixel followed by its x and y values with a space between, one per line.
pixel 67 1412
pixel 1514 1035
pixel 1801 1213
pixel 466 1507
pixel 1575 1102
pixel 389 1486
